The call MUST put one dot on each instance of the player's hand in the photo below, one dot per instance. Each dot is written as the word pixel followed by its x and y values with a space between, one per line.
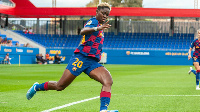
pixel 189 57
pixel 104 26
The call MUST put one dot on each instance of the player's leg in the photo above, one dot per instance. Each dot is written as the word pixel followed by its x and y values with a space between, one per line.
pixel 64 81
pixel 102 75
pixel 196 65
pixel 192 70
pixel 73 69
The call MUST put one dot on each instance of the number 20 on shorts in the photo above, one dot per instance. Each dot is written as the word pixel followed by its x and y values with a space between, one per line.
pixel 78 63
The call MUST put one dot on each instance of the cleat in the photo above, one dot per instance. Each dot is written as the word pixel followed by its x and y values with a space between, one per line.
pixel 113 111
pixel 197 87
pixel 190 70
pixel 104 111
pixel 31 92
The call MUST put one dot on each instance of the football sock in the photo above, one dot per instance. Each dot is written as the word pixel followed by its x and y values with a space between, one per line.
pixel 42 87
pixel 105 100
pixel 197 77
pixel 193 71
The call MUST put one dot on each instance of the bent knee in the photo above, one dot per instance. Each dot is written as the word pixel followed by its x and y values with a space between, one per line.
pixel 60 88
pixel 111 82
pixel 108 83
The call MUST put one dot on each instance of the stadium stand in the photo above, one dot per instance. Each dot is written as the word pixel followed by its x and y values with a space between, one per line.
pixel 8 38
pixel 52 41
pixel 148 40
pixel 120 41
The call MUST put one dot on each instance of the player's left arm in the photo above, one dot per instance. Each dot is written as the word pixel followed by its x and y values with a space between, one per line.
pixel 88 30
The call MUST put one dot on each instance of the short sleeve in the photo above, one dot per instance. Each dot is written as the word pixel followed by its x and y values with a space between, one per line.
pixel 192 44
pixel 91 23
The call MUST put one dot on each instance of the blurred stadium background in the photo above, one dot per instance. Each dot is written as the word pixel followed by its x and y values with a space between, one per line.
pixel 153 42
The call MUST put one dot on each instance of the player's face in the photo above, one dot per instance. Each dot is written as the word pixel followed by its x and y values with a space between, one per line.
pixel 102 14
pixel 198 34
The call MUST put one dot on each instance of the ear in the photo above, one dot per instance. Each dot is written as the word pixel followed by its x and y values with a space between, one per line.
pixel 97 11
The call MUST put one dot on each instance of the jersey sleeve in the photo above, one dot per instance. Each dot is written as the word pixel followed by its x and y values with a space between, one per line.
pixel 192 44
pixel 91 23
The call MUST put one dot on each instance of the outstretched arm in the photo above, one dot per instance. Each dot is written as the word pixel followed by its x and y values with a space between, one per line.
pixel 88 30
pixel 189 54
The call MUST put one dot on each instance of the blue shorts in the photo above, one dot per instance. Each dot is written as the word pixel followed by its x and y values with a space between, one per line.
pixel 196 59
pixel 80 63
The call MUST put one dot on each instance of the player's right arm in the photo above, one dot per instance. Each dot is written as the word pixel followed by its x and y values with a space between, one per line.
pixel 190 50
pixel 89 30
pixel 189 54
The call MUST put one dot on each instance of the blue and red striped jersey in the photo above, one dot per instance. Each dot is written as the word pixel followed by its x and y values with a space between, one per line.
pixel 196 44
pixel 92 46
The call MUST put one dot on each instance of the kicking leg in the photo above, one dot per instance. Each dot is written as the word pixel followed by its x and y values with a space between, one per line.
pixel 193 71
pixel 64 81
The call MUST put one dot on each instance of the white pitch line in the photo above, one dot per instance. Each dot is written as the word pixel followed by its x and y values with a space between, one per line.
pixel 70 104
pixel 171 95
pixel 158 95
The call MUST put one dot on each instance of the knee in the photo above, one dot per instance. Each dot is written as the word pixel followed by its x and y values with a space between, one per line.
pixel 108 83
pixel 60 88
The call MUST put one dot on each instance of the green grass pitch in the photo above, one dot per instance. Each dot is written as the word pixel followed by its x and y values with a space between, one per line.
pixel 136 88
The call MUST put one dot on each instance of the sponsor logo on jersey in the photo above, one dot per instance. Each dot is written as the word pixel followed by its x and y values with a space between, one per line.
pixel 88 23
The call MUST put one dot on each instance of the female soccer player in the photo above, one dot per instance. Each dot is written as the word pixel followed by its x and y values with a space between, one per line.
pixel 196 58
pixel 85 59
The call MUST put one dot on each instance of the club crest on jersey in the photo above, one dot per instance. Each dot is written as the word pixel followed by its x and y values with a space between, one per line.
pixel 74 68
pixel 195 58
pixel 88 23
pixel 101 34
